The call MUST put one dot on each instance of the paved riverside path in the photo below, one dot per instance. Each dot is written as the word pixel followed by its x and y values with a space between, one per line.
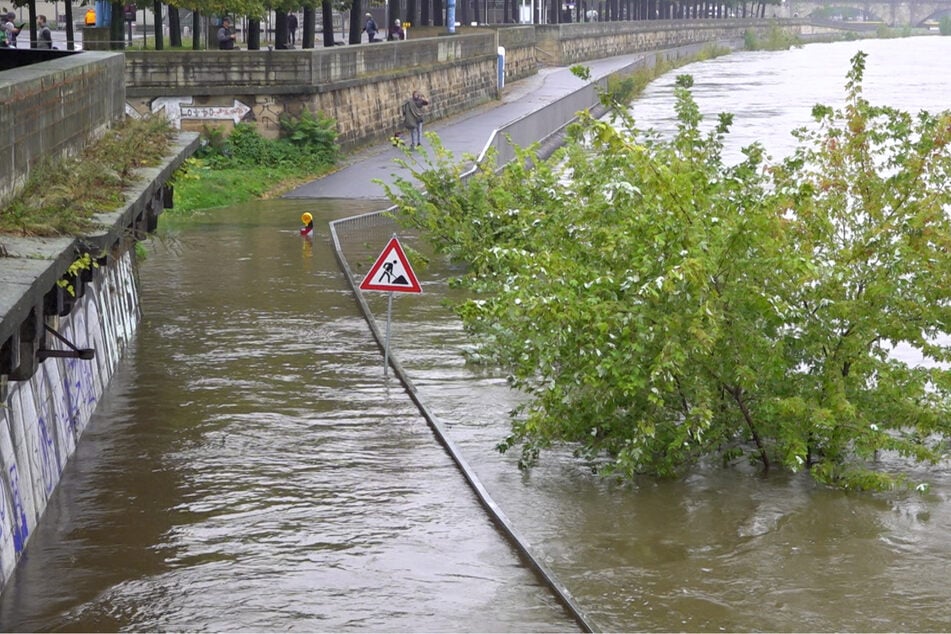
pixel 462 133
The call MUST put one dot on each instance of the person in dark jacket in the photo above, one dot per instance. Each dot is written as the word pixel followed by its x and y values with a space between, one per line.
pixel 396 31
pixel 413 118
pixel 226 36
pixel 370 27
pixel 292 28
pixel 44 35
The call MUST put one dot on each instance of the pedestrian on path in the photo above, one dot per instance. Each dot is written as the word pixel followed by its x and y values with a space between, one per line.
pixel 292 28
pixel 44 36
pixel 11 30
pixel 226 36
pixel 396 31
pixel 370 27
pixel 413 118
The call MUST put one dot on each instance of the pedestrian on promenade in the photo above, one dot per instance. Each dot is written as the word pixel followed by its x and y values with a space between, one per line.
pixel 413 118
pixel 226 36
pixel 292 28
pixel 11 30
pixel 44 36
pixel 370 27
pixel 396 31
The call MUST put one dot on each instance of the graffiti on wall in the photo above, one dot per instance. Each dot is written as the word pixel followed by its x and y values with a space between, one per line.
pixel 42 419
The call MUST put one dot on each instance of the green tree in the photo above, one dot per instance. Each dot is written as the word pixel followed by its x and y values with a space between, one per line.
pixel 658 305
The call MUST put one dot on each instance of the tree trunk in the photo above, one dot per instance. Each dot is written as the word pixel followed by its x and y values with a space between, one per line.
pixel 439 18
pixel 196 31
pixel 174 27
pixel 310 27
pixel 70 33
pixel 356 20
pixel 737 394
pixel 31 11
pixel 116 36
pixel 280 29
pixel 425 15
pixel 410 12
pixel 327 19
pixel 254 35
pixel 159 25
pixel 393 13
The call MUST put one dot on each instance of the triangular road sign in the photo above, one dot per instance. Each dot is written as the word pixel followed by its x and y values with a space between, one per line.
pixel 391 272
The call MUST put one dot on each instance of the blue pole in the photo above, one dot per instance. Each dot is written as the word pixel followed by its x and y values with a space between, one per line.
pixel 451 15
pixel 103 13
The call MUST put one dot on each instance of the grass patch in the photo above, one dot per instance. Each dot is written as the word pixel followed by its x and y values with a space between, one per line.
pixel 245 166
pixel 62 196
pixel 200 186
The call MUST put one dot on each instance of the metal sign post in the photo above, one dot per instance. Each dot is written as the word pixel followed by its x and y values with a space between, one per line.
pixel 391 273
pixel 386 340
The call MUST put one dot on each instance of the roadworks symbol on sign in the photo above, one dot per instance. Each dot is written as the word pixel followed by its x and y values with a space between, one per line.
pixel 391 272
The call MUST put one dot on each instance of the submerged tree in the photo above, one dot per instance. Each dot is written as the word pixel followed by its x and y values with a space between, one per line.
pixel 659 306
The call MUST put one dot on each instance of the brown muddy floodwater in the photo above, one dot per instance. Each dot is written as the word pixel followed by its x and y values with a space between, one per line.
pixel 250 468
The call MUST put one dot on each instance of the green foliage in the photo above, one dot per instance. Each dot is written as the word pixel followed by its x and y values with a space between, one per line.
pixel 83 263
pixel 944 26
pixel 777 39
pixel 886 32
pixel 313 134
pixel 658 305
pixel 244 165
pixel 308 141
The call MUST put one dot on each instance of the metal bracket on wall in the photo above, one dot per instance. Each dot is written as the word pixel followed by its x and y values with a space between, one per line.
pixel 72 353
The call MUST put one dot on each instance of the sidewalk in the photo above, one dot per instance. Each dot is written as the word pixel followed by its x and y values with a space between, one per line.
pixel 461 134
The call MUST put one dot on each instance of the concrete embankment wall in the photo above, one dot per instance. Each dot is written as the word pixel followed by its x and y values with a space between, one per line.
pixel 567 44
pixel 54 108
pixel 43 418
pixel 362 87
pixel 44 411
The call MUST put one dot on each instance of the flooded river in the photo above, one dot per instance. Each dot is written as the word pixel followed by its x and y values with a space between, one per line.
pixel 251 469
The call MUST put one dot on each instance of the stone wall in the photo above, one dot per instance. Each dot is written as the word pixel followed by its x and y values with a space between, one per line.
pixel 566 44
pixel 519 45
pixel 360 87
pixel 53 109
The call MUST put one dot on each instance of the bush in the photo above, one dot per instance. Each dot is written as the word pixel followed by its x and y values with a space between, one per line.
pixel 307 142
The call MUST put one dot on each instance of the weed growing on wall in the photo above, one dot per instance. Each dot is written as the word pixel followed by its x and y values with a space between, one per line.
pixel 62 196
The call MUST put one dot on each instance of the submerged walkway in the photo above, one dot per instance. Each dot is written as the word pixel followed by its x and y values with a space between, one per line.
pixel 466 133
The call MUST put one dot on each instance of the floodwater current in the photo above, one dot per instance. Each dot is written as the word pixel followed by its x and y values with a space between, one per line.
pixel 251 468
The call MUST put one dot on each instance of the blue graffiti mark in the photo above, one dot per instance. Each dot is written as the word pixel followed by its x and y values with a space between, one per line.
pixel 20 529
pixel 3 518
pixel 3 511
pixel 81 393
pixel 48 456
